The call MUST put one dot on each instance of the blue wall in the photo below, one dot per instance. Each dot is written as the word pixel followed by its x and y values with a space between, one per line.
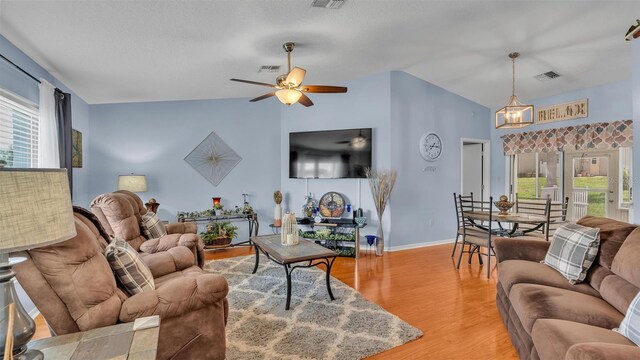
pixel 365 105
pixel 153 138
pixel 423 209
pixel 609 102
pixel 15 81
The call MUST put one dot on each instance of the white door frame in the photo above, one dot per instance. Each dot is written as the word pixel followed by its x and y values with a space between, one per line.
pixel 486 166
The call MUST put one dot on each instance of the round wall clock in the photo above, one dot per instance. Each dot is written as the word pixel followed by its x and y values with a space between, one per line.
pixel 332 205
pixel 430 146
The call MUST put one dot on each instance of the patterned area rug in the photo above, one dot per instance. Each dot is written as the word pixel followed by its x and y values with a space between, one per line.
pixel 315 327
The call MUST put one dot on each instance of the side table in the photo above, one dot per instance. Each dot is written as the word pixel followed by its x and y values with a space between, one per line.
pixel 135 340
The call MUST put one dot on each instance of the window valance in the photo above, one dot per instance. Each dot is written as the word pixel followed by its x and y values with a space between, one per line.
pixel 599 136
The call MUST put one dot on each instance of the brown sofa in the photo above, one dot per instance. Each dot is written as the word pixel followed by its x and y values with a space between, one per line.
pixel 548 318
pixel 119 213
pixel 74 288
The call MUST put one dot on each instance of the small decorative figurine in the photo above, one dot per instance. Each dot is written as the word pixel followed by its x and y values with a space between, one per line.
pixel 277 210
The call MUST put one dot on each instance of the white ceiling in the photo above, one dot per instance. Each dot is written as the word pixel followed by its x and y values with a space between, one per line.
pixel 126 51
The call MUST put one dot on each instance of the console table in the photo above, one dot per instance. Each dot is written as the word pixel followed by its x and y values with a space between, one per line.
pixel 342 247
pixel 252 219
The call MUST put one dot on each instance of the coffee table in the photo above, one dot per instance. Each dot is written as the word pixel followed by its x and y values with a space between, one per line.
pixel 288 256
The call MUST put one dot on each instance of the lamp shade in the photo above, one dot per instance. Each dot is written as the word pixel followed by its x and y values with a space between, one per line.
pixel 287 96
pixel 35 208
pixel 133 183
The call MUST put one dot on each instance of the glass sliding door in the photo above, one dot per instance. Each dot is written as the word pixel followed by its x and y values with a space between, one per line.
pixel 537 175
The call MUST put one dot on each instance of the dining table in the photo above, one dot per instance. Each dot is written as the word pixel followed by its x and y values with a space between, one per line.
pixel 515 219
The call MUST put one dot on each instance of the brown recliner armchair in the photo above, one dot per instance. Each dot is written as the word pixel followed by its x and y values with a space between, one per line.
pixel 120 212
pixel 72 285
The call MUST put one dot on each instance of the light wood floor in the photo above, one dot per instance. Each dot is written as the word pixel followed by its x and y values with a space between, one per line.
pixel 455 309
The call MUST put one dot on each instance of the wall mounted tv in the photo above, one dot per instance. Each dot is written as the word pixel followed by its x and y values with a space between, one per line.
pixel 335 154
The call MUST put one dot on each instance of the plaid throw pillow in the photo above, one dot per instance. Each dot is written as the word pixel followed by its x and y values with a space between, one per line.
pixel 630 326
pixel 573 249
pixel 152 226
pixel 128 266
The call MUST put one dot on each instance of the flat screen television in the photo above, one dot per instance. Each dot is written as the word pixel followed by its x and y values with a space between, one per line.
pixel 335 154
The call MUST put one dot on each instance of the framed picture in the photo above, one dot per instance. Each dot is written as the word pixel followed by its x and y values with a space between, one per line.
pixel 76 148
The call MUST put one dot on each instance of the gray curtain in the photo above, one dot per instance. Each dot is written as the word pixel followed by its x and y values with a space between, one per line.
pixel 63 116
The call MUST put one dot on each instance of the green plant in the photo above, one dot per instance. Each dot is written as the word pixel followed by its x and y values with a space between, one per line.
pixel 219 230
pixel 6 157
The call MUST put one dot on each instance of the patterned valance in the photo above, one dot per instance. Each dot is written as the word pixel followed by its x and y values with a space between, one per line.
pixel 596 136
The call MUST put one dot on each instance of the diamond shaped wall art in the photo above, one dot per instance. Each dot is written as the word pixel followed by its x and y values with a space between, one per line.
pixel 213 158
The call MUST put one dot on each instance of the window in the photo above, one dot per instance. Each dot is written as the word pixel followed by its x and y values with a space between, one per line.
pixel 18 131
pixel 594 161
pixel 538 175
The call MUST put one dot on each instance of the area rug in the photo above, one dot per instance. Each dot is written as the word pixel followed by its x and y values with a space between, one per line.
pixel 315 327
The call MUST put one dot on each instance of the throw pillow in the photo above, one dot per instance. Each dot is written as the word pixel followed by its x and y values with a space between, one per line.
pixel 630 325
pixel 128 266
pixel 152 226
pixel 573 249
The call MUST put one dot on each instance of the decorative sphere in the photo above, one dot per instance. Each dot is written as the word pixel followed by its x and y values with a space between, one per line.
pixel 504 198
pixel 152 201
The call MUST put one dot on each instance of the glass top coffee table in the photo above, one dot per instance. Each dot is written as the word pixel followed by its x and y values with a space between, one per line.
pixel 293 257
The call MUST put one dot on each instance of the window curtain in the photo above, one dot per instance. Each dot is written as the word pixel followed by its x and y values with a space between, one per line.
pixel 596 136
pixel 48 153
pixel 63 116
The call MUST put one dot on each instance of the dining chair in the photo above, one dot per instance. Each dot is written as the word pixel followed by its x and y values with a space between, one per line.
pixel 459 218
pixel 555 213
pixel 476 235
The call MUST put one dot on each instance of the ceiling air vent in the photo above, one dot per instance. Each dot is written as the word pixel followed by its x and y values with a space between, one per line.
pixel 269 69
pixel 327 4
pixel 549 75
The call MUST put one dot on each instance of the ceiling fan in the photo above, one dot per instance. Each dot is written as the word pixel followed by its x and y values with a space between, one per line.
pixel 289 86
pixel 357 142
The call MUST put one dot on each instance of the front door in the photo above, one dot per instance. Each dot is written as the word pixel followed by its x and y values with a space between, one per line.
pixel 591 183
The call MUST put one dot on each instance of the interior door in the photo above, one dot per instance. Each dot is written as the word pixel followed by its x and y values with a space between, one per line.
pixel 472 170
pixel 591 183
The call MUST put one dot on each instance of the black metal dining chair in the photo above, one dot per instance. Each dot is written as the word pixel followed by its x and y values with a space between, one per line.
pixel 459 218
pixel 555 213
pixel 478 235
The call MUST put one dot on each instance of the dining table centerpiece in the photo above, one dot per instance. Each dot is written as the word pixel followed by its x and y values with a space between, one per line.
pixel 504 205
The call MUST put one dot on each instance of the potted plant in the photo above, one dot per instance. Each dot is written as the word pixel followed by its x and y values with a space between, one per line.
pixel 3 163
pixel 219 234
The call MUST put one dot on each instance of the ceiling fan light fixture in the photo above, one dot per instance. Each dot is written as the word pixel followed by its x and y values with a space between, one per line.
pixel 288 96
pixel 359 142
pixel 515 114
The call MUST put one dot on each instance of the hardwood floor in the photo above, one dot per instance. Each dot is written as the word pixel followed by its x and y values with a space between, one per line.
pixel 455 309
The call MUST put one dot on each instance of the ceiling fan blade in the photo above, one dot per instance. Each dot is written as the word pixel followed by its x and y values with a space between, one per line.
pixel 265 96
pixel 304 100
pixel 253 82
pixel 295 76
pixel 323 89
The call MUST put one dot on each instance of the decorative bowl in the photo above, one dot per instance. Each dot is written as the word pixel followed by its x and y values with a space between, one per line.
pixel 360 220
pixel 504 205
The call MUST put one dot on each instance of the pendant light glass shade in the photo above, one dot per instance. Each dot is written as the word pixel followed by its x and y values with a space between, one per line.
pixel 515 114
pixel 288 97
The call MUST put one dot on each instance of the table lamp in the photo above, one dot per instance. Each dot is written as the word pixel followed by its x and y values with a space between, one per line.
pixel 35 211
pixel 137 184
pixel 133 183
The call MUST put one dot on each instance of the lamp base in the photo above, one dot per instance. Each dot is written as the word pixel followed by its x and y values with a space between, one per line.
pixel 23 327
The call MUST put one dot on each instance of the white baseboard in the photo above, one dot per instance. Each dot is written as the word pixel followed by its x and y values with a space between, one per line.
pixel 34 313
pixel 420 245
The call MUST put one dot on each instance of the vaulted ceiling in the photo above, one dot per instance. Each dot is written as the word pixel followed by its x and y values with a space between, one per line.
pixel 127 51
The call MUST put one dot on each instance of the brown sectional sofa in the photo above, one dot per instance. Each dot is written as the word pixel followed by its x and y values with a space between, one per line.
pixel 548 318
pixel 73 286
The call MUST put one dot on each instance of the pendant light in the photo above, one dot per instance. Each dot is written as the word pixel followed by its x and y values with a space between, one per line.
pixel 515 114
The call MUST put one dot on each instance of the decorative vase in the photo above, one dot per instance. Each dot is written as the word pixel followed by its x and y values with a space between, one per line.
pixel 504 205
pixel 380 239
pixel 277 215
pixel 289 235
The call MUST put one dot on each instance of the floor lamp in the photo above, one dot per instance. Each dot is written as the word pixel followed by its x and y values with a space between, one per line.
pixel 35 211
